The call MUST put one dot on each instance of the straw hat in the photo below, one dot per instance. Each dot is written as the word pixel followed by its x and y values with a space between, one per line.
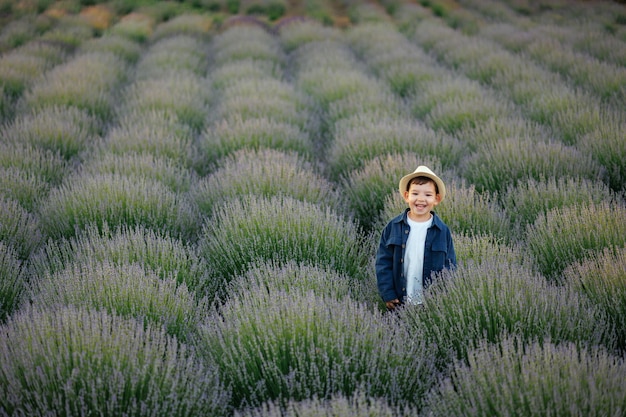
pixel 423 171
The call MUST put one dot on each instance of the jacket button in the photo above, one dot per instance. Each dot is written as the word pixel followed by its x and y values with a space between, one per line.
pixel 406 232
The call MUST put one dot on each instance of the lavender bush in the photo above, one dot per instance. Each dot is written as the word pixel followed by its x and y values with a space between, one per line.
pixel 68 130
pixel 512 162
pixel 88 362
pixel 294 278
pixel 186 24
pixel 157 132
pixel 262 98
pixel 19 228
pixel 525 202
pixel 513 379
pixel 357 143
pixel 175 54
pixel 117 200
pixel 167 171
pixel 273 345
pixel 124 47
pixel 21 67
pixel 602 278
pixel 12 281
pixel 476 250
pixel 183 93
pixel 227 137
pixel 154 251
pixel 87 82
pixel 47 165
pixel 453 103
pixel 358 404
pixel 27 188
pixel 471 213
pixel 231 73
pixel 137 28
pixel 298 33
pixel 605 143
pixel 266 173
pixel 126 290
pixel 495 298
pixel 281 229
pixel 565 235
pixel 401 63
pixel 246 42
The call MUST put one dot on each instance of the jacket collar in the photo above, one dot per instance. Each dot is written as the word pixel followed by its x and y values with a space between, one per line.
pixel 437 222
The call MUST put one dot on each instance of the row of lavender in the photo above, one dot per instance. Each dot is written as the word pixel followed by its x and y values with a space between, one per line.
pixel 184 217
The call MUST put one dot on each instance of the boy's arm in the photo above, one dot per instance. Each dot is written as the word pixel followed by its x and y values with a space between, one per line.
pixel 384 270
pixel 451 259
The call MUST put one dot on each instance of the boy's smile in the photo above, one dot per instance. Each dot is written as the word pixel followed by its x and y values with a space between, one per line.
pixel 422 199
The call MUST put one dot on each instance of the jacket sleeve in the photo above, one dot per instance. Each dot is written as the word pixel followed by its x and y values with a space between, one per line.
pixel 451 257
pixel 384 268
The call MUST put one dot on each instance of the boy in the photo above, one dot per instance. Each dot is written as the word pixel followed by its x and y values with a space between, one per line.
pixel 416 243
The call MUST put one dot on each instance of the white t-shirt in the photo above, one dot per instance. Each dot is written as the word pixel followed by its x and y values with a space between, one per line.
pixel 414 260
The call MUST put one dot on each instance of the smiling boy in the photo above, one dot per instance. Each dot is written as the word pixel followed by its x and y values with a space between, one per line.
pixel 416 243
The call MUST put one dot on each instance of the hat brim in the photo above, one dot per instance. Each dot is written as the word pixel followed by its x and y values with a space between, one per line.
pixel 407 178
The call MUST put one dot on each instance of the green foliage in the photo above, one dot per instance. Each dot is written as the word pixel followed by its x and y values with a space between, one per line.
pixel 104 364
pixel 565 235
pixel 476 249
pixel 185 156
pixel 401 63
pixel 273 345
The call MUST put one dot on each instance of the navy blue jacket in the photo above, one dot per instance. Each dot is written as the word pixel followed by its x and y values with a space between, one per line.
pixel 438 254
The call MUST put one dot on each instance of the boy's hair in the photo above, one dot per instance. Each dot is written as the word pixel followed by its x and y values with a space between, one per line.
pixel 422 180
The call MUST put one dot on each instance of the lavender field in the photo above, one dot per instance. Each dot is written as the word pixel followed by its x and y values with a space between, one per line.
pixel 192 194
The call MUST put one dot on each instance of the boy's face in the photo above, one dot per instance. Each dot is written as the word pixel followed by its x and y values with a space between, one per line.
pixel 422 199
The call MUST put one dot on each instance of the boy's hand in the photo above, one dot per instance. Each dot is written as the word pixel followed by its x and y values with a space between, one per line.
pixel 392 304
